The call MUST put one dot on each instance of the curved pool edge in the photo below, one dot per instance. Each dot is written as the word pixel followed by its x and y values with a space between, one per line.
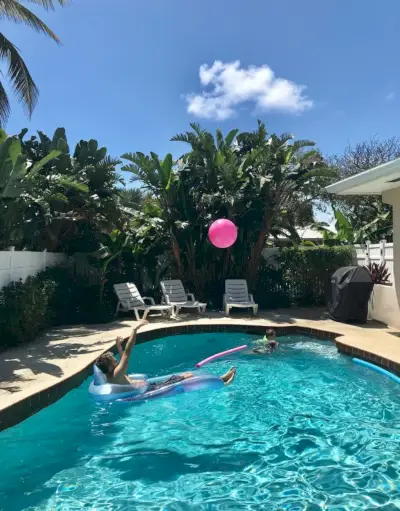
pixel 348 343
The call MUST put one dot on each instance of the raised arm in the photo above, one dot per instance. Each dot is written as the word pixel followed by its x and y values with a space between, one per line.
pixel 118 342
pixel 122 367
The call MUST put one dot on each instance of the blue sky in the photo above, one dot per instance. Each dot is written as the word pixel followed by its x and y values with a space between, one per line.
pixel 127 72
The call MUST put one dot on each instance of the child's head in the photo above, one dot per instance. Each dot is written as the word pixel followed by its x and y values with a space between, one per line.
pixel 270 333
pixel 107 363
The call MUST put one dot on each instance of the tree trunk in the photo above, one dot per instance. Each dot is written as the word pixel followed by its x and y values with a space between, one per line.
pixel 176 251
pixel 227 263
pixel 103 281
pixel 256 253
pixel 52 240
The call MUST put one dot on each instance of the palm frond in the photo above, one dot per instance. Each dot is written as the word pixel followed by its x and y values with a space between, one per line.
pixel 138 160
pixel 21 79
pixel 196 128
pixel 68 182
pixel 261 132
pixel 230 137
pixel 284 138
pixel 14 11
pixel 109 161
pixel 220 139
pixel 40 164
pixel 298 144
pixel 49 4
pixel 4 105
pixel 181 137
pixel 128 156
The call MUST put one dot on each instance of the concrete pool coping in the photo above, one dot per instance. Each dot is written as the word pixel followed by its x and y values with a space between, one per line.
pixel 38 374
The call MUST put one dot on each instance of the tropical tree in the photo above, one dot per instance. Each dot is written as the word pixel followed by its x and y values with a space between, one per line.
pixel 159 179
pixel 347 233
pixel 211 187
pixel 256 180
pixel 131 197
pixel 21 80
pixel 113 247
pixel 277 172
pixel 62 201
pixel 362 210
pixel 16 171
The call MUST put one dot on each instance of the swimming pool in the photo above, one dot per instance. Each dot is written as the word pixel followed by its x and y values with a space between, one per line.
pixel 301 429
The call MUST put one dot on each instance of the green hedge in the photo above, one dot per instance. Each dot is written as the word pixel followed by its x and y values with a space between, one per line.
pixel 55 297
pixel 302 276
pixel 51 298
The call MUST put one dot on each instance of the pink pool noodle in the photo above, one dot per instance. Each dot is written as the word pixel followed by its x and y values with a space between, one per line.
pixel 219 355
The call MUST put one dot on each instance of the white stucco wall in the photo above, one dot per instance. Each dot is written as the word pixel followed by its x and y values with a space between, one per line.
pixel 385 301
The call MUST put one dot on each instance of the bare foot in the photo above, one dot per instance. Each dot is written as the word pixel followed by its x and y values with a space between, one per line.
pixel 187 375
pixel 228 377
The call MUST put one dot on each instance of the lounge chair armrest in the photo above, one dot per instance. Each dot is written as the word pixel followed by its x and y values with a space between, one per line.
pixel 251 297
pixel 150 299
pixel 165 300
pixel 190 297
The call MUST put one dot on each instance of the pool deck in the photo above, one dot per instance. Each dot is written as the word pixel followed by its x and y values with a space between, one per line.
pixel 37 374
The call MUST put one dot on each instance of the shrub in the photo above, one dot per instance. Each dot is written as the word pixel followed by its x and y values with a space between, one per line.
pixel 53 297
pixel 24 310
pixel 302 276
pixel 379 273
pixel 56 297
pixel 74 300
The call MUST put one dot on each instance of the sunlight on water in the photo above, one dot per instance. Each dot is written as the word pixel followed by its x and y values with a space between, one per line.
pixel 302 429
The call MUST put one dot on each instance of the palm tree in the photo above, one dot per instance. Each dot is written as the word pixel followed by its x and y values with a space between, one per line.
pixel 18 72
pixel 131 197
pixel 278 169
pixel 160 180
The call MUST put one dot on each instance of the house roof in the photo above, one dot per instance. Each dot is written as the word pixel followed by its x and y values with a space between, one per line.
pixel 305 233
pixel 374 181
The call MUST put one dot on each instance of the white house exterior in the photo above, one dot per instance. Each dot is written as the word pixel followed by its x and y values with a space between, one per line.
pixel 383 180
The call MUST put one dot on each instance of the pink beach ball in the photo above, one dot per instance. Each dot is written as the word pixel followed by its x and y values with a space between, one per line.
pixel 222 233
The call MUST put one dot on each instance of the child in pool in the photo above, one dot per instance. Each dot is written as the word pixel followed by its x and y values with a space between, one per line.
pixel 115 371
pixel 266 345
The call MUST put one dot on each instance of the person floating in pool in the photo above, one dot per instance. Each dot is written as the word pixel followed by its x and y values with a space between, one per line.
pixel 115 371
pixel 267 345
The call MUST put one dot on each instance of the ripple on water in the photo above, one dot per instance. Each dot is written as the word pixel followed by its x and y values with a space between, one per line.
pixel 304 429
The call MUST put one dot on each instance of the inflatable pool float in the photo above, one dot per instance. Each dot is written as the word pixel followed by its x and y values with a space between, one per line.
pixel 101 390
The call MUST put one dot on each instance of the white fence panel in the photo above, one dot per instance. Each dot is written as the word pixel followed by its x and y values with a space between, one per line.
pixel 376 253
pixel 15 265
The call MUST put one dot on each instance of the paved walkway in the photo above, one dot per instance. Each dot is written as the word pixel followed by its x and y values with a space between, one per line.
pixel 64 352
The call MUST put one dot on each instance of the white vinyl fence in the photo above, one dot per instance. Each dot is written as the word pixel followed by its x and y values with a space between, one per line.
pixel 376 253
pixel 15 265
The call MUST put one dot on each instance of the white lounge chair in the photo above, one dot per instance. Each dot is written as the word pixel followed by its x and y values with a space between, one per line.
pixel 174 294
pixel 237 295
pixel 129 299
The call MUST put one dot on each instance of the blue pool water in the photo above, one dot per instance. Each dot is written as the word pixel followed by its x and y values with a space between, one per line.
pixel 303 429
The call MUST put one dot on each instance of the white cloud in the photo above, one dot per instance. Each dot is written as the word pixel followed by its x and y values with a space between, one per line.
pixel 390 96
pixel 228 85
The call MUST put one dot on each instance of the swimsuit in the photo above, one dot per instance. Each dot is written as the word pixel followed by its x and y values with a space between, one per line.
pixel 175 378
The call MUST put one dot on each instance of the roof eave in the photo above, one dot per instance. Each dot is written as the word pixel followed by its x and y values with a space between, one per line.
pixel 347 186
